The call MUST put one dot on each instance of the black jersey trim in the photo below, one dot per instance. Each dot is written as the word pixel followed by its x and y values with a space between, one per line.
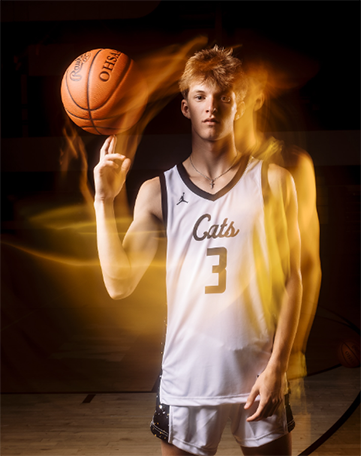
pixel 163 190
pixel 243 162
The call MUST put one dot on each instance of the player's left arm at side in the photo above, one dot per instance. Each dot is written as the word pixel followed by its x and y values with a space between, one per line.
pixel 270 384
pixel 304 177
pixel 291 303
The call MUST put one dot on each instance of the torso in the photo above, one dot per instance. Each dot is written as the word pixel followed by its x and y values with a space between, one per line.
pixel 214 298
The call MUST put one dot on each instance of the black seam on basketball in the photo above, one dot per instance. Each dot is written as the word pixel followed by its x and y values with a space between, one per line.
pixel 100 128
pixel 87 91
pixel 85 118
pixel 70 95
pixel 74 115
pixel 121 77
pixel 88 110
pixel 81 107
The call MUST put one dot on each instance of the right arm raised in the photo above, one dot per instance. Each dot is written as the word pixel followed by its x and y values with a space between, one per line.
pixel 123 264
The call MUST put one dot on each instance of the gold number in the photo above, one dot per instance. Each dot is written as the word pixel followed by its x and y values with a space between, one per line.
pixel 219 269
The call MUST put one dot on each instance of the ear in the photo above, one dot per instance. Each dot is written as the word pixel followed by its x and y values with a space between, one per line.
pixel 240 110
pixel 185 108
pixel 259 102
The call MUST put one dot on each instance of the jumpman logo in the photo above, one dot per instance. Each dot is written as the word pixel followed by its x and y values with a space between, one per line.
pixel 182 200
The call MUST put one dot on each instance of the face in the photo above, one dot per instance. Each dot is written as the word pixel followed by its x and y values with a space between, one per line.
pixel 211 110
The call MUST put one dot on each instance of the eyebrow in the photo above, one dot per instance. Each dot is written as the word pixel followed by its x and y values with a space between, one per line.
pixel 221 92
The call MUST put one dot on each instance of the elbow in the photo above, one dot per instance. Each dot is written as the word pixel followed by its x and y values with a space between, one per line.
pixel 311 264
pixel 116 296
pixel 118 290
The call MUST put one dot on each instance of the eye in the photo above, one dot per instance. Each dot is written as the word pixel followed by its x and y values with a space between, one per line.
pixel 226 98
pixel 199 97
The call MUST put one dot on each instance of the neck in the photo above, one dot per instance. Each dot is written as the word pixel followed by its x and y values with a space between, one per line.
pixel 213 157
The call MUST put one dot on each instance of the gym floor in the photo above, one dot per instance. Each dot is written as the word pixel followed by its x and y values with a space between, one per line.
pixel 325 407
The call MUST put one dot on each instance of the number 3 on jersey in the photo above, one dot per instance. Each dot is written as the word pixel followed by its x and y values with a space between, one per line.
pixel 219 269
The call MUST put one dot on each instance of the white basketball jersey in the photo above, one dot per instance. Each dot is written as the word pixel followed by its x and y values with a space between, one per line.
pixel 220 327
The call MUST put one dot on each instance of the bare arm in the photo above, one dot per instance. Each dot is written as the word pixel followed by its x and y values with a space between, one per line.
pixel 304 177
pixel 270 384
pixel 124 263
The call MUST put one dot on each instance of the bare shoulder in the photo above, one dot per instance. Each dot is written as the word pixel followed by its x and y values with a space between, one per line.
pixel 281 182
pixel 298 162
pixel 149 199
pixel 296 153
pixel 304 169
pixel 300 165
pixel 278 175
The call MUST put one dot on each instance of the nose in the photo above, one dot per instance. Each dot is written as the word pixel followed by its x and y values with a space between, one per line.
pixel 212 105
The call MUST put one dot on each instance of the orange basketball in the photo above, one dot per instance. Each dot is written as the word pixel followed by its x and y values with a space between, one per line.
pixel 349 353
pixel 103 92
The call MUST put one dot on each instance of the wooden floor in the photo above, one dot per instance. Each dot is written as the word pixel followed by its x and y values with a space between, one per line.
pixel 345 441
pixel 110 424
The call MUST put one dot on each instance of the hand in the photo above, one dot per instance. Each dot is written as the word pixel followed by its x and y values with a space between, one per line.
pixel 111 171
pixel 270 386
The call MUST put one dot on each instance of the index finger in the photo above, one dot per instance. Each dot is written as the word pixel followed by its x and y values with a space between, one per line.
pixel 256 414
pixel 108 146
pixel 260 413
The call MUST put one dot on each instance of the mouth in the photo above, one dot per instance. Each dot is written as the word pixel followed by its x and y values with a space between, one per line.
pixel 211 121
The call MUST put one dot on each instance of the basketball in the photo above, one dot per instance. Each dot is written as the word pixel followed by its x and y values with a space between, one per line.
pixel 349 353
pixel 104 92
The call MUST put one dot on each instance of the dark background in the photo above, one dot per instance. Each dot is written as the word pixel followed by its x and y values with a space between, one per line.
pixel 60 330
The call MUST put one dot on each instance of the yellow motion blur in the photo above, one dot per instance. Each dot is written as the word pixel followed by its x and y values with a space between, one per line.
pixel 162 70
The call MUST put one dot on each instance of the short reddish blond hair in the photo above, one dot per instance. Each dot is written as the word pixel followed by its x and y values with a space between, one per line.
pixel 218 66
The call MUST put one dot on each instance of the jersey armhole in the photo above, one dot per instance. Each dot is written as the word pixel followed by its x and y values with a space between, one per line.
pixel 264 181
pixel 163 190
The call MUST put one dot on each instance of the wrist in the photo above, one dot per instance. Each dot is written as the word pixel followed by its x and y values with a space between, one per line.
pixel 278 367
pixel 104 207
pixel 103 201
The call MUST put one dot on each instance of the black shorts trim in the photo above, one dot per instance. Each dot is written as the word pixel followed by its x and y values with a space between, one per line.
pixel 289 415
pixel 159 425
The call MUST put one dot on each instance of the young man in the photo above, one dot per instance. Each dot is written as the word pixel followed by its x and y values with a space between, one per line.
pixel 231 320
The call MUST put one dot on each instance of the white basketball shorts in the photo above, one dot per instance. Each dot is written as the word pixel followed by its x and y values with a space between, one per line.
pixel 198 430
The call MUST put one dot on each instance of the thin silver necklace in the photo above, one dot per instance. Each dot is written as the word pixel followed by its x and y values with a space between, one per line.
pixel 210 179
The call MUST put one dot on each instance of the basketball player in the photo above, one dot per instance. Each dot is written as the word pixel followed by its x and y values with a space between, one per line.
pixel 233 298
